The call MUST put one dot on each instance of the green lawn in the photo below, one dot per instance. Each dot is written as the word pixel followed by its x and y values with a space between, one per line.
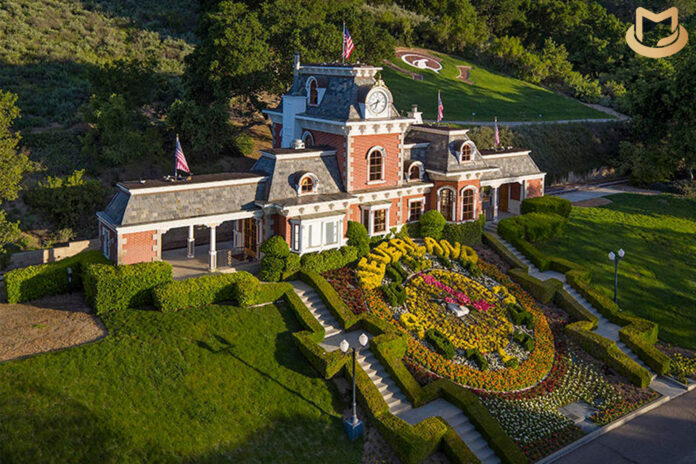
pixel 220 385
pixel 491 95
pixel 657 279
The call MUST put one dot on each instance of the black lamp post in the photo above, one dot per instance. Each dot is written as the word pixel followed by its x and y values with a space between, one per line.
pixel 353 425
pixel 616 257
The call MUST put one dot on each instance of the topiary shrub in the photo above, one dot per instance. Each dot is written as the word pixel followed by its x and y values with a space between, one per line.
pixel 114 288
pixel 275 246
pixel 478 358
pixel 467 233
pixel 358 238
pixel 275 255
pixel 440 343
pixel 394 293
pixel 432 223
pixel 554 205
pixel 533 227
pixel 32 282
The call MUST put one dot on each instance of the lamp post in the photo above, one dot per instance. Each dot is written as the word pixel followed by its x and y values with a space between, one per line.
pixel 616 257
pixel 353 425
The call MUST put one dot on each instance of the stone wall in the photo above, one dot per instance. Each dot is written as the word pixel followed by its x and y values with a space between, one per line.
pixel 30 258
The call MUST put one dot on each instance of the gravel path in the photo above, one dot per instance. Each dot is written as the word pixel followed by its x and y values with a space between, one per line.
pixel 45 325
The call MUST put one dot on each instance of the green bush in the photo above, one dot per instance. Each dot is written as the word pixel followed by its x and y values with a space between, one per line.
pixel 519 316
pixel 276 247
pixel 394 274
pixel 244 144
pixel 524 339
pixel 394 293
pixel 432 223
pixel 327 364
pixel 413 229
pixel 272 268
pixel 330 259
pixel 358 238
pixel 32 282
pixel 440 343
pixel 114 288
pixel 456 450
pixel 574 309
pixel 532 253
pixel 199 292
pixel 541 290
pixel 293 263
pixel 477 357
pixel 466 233
pixel 546 204
pixel 492 241
pixel 533 227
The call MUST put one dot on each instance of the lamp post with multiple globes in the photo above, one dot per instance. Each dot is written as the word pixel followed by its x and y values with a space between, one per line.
pixel 616 257
pixel 353 425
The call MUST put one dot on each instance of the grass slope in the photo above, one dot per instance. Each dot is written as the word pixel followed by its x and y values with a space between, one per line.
pixel 491 95
pixel 219 385
pixel 656 279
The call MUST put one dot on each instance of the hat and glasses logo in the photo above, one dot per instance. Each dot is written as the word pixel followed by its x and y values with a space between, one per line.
pixel 666 46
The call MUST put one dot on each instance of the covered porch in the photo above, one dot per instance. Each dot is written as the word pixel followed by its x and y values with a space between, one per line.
pixel 228 260
pixel 502 198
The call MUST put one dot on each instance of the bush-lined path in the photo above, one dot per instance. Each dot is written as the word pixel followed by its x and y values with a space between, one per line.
pixel 390 391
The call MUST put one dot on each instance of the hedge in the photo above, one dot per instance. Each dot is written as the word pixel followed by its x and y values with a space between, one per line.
pixel 546 204
pixel 540 289
pixel 330 259
pixel 32 282
pixel 331 299
pixel 573 307
pixel 113 288
pixel 432 223
pixel 503 251
pixel 532 253
pixel 326 363
pixel 466 233
pixel 455 449
pixel 357 236
pixel 533 227
pixel 440 343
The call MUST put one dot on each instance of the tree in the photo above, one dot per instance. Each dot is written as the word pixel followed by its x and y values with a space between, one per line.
pixel 15 164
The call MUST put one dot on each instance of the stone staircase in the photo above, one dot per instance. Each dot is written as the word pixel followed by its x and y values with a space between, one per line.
pixel 390 391
pixel 605 327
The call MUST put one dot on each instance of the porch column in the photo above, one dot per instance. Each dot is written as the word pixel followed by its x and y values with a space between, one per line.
pixel 191 244
pixel 213 251
pixel 495 203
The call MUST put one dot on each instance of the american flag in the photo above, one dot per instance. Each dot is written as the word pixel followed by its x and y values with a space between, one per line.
pixel 440 107
pixel 181 164
pixel 497 134
pixel 348 46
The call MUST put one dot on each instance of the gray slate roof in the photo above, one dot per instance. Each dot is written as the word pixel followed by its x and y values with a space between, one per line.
pixel 512 166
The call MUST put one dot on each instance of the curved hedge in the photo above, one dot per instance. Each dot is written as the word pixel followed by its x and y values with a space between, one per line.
pixel 547 204
pixel 32 282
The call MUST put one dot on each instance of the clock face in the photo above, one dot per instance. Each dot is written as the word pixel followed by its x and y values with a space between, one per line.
pixel 377 102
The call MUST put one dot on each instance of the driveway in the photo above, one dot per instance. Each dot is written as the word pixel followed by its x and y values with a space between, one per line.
pixel 582 194
pixel 663 435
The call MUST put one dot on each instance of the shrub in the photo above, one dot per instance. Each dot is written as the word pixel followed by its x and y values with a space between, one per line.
pixel 519 316
pixel 432 223
pixel 358 238
pixel 467 233
pixel 547 204
pixel 32 282
pixel 276 247
pixel 503 251
pixel 275 256
pixel 440 343
pixel 293 263
pixel 198 292
pixel 330 297
pixel 244 144
pixel 394 293
pixel 394 274
pixel 114 288
pixel 524 339
pixel 542 290
pixel 477 357
pixel 329 260
pixel 271 268
pixel 533 227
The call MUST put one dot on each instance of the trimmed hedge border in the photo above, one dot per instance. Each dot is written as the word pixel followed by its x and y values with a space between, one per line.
pixel 333 301
pixel 492 241
pixel 32 282
pixel 542 290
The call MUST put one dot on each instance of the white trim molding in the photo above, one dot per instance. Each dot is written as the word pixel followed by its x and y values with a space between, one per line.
pixel 315 184
pixel 474 206
pixel 454 201
pixel 178 187
pixel 408 207
pixel 421 171
pixel 172 224
pixel 368 157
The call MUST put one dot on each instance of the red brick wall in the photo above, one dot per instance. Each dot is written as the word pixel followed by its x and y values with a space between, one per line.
pixel 277 135
pixel 394 214
pixel 535 188
pixel 515 191
pixel 336 141
pixel 140 247
pixel 361 145
pixel 282 227
pixel 457 186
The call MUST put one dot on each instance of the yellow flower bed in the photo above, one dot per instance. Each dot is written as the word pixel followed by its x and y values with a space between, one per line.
pixel 372 267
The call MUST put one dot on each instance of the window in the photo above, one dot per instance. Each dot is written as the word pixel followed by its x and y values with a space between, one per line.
pixel 106 245
pixel 313 93
pixel 468 204
pixel 295 238
pixel 466 152
pixel 308 139
pixel 379 221
pixel 415 209
pixel 447 204
pixel 307 184
pixel 366 218
pixel 330 231
pixel 375 165
pixel 415 173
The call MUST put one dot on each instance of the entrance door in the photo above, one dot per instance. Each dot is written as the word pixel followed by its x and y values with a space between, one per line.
pixel 250 237
pixel 503 195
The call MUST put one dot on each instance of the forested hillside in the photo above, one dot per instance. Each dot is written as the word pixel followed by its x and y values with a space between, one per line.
pixel 104 85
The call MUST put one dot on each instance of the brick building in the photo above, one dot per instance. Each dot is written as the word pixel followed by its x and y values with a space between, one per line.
pixel 341 152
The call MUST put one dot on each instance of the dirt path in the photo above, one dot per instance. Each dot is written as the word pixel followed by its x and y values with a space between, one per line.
pixel 45 325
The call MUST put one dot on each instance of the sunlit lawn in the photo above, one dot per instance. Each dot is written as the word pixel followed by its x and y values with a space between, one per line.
pixel 219 385
pixel 657 279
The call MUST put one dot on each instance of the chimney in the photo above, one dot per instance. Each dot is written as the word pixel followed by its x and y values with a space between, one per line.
pixel 296 67
pixel 298 144
pixel 415 114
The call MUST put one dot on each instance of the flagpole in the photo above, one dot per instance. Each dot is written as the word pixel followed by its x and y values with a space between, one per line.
pixel 177 141
pixel 343 44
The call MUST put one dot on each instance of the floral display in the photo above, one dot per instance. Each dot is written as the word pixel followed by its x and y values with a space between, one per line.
pixel 345 283
pixel 683 367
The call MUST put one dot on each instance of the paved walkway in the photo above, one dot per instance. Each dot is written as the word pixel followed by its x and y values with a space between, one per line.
pixel 663 435
pixel 396 400
pixel 592 192
pixel 524 123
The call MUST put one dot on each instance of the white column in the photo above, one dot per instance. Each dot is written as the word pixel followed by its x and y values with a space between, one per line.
pixel 213 251
pixel 191 244
pixel 495 204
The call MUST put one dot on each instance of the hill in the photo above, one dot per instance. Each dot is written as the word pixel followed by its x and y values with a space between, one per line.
pixel 487 94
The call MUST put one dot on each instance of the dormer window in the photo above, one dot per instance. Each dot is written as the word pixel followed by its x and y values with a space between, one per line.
pixel 308 139
pixel 313 92
pixel 307 185
pixel 414 171
pixel 465 153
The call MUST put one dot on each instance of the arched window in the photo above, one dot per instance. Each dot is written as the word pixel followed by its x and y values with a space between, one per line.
pixel 375 165
pixel 313 93
pixel 468 204
pixel 414 172
pixel 307 185
pixel 308 139
pixel 446 204
pixel 465 154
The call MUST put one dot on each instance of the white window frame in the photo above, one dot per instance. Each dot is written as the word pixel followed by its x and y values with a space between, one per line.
pixel 419 165
pixel 106 242
pixel 307 226
pixel 309 90
pixel 461 151
pixel 408 207
pixel 296 236
pixel 371 226
pixel 315 181
pixel 475 205
pixel 383 154
pixel 454 201
pixel 305 135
